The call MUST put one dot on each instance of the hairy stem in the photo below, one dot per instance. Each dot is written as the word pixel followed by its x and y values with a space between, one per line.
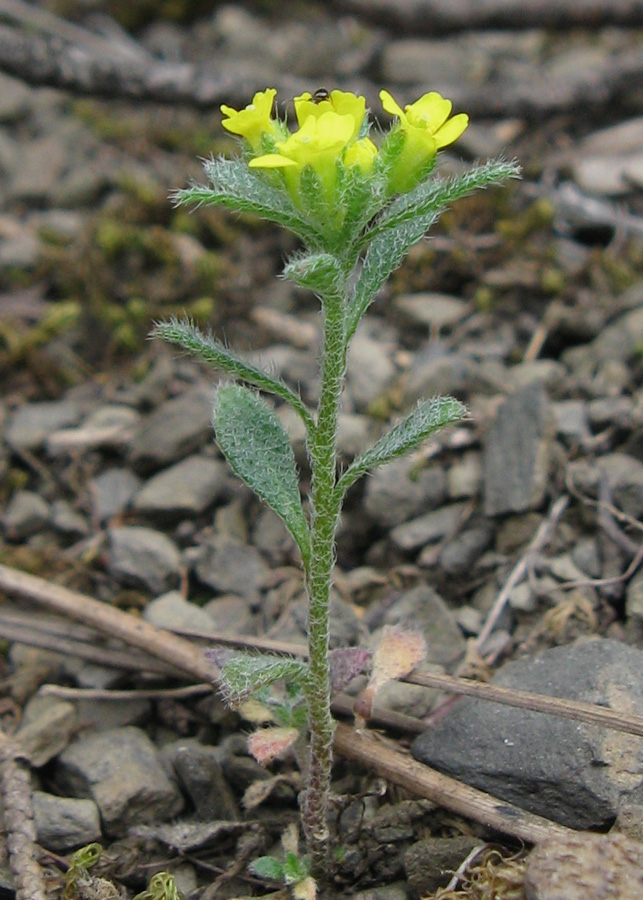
pixel 325 514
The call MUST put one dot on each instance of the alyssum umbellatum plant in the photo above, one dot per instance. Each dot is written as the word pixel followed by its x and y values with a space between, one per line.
pixel 358 205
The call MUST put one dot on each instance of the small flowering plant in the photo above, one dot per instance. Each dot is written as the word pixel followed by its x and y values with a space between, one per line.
pixel 358 205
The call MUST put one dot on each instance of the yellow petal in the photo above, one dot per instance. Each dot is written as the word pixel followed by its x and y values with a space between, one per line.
pixel 390 106
pixel 271 161
pixel 451 130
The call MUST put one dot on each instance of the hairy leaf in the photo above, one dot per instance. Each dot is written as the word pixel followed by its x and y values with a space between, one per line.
pixel 427 417
pixel 257 447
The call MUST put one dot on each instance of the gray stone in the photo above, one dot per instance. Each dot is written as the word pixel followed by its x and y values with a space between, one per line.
pixel 624 476
pixel 586 555
pixel 430 864
pixel 610 161
pixel 122 772
pixel 465 548
pixel 103 714
pixel 439 372
pixel 369 367
pixel 422 609
pixel 231 614
pixel 432 309
pixel 173 612
pixel 185 489
pixel 585 867
pixel 571 419
pixel 26 514
pixel 573 773
pixel 109 427
pixel 112 491
pixel 15 99
pixel 178 427
pixel 464 477
pixel 44 159
pixel 353 435
pixel 65 823
pixel 230 567
pixel 516 453
pixel 141 556
pixel 428 529
pixel 409 699
pixel 634 598
pixel 401 490
pixel 46 728
pixel 30 424
pixel 199 772
pixel 67 521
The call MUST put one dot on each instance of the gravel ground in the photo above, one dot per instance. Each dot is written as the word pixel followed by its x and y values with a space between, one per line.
pixel 527 304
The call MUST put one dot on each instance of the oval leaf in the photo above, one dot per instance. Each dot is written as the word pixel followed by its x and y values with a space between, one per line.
pixel 257 447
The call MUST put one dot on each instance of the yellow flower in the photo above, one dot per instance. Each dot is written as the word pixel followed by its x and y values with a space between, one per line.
pixel 427 128
pixel 255 120
pixel 341 102
pixel 319 143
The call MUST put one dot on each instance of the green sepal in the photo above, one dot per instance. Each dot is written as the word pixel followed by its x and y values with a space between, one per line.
pixel 187 335
pixel 244 673
pixel 267 867
pixel 427 417
pixel 234 185
pixel 257 447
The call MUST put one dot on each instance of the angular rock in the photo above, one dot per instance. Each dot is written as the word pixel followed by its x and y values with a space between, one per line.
pixel 230 567
pixel 430 864
pixel 32 423
pixel 422 609
pixel 432 309
pixel 184 489
pixel 122 772
pixel 369 366
pixel 65 823
pixel 624 474
pixel 112 492
pixel 571 772
pixel 46 728
pixel 399 491
pixel 142 556
pixel 26 514
pixel 585 867
pixel 177 427
pixel 516 453
pixel 200 774
pixel 172 611
pixel 428 529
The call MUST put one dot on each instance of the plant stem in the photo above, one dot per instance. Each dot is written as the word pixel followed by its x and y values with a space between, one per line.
pixel 325 515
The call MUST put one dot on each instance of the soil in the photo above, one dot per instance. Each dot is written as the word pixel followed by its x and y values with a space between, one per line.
pixel 534 274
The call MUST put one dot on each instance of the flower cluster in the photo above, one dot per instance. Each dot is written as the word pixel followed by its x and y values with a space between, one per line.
pixel 332 136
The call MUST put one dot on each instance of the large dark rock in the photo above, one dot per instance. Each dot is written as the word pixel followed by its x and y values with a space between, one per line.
pixel 574 773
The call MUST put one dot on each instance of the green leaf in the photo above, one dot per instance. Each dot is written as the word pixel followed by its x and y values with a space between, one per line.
pixel 187 335
pixel 268 867
pixel 427 417
pixel 385 253
pixel 234 185
pixel 406 220
pixel 434 194
pixel 257 447
pixel 244 673
pixel 295 868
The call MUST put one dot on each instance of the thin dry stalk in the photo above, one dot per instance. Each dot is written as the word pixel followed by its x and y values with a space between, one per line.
pixel 18 822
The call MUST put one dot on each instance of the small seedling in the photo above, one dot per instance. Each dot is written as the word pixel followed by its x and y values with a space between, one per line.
pixel 358 202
